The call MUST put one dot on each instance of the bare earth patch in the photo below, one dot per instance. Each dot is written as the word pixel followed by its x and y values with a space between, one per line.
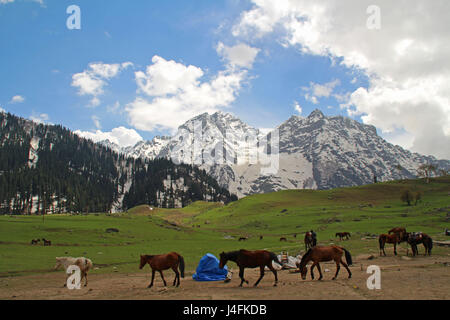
pixel 400 279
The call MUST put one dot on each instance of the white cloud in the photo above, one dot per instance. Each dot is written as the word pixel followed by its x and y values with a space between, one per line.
pixel 298 108
pixel 39 118
pixel 96 121
pixel 17 99
pixel 177 92
pixel 315 90
pixel 6 1
pixel 406 61
pixel 94 79
pixel 240 55
pixel 121 136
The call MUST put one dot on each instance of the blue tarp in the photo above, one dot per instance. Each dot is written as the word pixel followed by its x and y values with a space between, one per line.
pixel 208 269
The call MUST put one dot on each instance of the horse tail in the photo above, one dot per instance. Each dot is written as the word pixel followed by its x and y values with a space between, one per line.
pixel 274 257
pixel 181 260
pixel 348 257
pixel 380 241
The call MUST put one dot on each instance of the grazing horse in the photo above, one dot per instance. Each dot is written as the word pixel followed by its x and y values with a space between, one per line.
pixel 83 263
pixel 163 262
pixel 251 259
pixel 35 241
pixel 389 238
pixel 321 254
pixel 47 242
pixel 243 238
pixel 400 231
pixel 343 235
pixel 283 239
pixel 414 239
pixel 309 240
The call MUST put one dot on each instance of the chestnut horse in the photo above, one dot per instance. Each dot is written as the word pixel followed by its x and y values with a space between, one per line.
pixel 343 235
pixel 309 240
pixel 321 254
pixel 162 262
pixel 414 239
pixel 251 259
pixel 400 231
pixel 389 238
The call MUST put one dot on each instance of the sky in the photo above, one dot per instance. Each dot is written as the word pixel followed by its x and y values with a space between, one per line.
pixel 130 70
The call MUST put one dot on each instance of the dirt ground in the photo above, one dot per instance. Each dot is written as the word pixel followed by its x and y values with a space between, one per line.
pixel 411 278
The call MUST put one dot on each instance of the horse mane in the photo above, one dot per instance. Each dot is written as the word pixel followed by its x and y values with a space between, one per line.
pixel 305 258
pixel 233 255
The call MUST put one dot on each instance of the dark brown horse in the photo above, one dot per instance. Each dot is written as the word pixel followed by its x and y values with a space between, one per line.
pixel 309 240
pixel 321 254
pixel 400 231
pixel 35 241
pixel 243 238
pixel 343 235
pixel 47 242
pixel 414 239
pixel 283 239
pixel 251 259
pixel 389 238
pixel 163 262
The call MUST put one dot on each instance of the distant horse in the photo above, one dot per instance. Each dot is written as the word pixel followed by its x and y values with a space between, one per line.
pixel 388 238
pixel 243 238
pixel 283 239
pixel 260 237
pixel 35 241
pixel 343 235
pixel 295 235
pixel 163 262
pixel 309 240
pixel 47 242
pixel 414 239
pixel 321 254
pixel 83 263
pixel 400 231
pixel 251 259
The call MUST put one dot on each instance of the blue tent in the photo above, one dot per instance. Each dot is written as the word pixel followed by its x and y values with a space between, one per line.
pixel 208 269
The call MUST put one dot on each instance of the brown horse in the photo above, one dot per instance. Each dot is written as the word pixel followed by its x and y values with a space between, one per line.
pixel 389 238
pixel 321 254
pixel 400 231
pixel 414 239
pixel 35 241
pixel 243 238
pixel 343 235
pixel 163 262
pixel 283 239
pixel 251 259
pixel 46 242
pixel 309 240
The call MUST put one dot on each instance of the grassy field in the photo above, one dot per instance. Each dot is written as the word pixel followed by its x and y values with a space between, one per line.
pixel 212 227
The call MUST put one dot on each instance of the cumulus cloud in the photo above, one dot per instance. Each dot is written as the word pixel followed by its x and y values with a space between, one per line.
pixel 176 92
pixel 94 79
pixel 298 108
pixel 121 136
pixel 17 99
pixel 315 90
pixel 39 118
pixel 240 55
pixel 406 60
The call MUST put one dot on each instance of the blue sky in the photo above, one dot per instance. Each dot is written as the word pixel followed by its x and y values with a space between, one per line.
pixel 275 69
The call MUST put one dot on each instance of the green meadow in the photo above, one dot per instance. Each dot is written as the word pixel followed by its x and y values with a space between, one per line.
pixel 212 227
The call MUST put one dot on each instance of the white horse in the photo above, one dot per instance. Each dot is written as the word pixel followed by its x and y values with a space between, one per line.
pixel 83 263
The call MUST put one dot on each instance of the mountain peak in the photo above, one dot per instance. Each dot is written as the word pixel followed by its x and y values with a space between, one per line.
pixel 316 115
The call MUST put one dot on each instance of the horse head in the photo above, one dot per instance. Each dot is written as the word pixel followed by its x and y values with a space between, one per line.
pixel 303 271
pixel 142 262
pixel 223 260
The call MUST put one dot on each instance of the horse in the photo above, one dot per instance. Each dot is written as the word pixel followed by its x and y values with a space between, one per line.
pixel 243 238
pixel 400 231
pixel 47 242
pixel 309 241
pixel 321 254
pixel 260 237
pixel 414 239
pixel 251 259
pixel 283 239
pixel 163 262
pixel 83 263
pixel 343 235
pixel 35 241
pixel 389 238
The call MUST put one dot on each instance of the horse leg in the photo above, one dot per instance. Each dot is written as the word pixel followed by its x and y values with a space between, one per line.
pixel 177 276
pixel 261 275
pixel 395 248
pixel 153 278
pixel 312 273
pixel 320 271
pixel 241 275
pixel 86 280
pixel 162 276
pixel 274 273
pixel 346 267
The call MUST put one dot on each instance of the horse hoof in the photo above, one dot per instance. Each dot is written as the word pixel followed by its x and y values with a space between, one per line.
pixel 333 279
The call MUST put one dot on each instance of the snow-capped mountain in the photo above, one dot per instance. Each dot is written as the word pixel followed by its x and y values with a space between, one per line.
pixel 314 152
